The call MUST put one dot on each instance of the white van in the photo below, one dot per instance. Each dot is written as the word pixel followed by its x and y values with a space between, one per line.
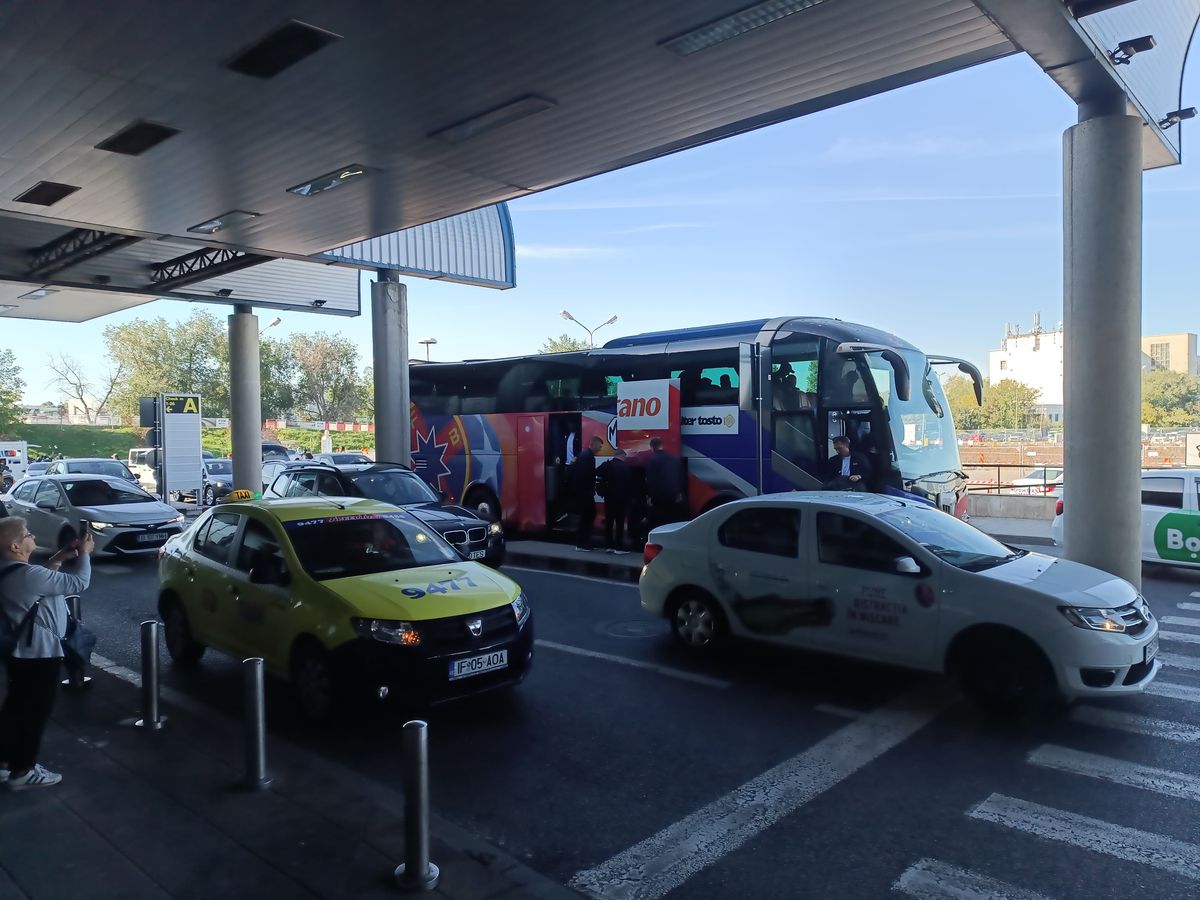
pixel 16 457
pixel 143 462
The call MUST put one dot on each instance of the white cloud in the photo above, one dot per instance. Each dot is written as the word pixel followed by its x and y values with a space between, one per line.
pixel 550 251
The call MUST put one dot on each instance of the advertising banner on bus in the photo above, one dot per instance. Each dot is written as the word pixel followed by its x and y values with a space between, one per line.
pixel 645 410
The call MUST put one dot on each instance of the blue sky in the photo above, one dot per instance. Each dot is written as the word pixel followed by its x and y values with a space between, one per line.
pixel 933 211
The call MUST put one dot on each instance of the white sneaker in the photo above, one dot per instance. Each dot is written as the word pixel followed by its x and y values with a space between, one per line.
pixel 34 778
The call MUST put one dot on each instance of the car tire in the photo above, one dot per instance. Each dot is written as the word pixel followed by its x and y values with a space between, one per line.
pixel 483 502
pixel 1007 675
pixel 210 496
pixel 185 650
pixel 697 622
pixel 314 683
pixel 494 560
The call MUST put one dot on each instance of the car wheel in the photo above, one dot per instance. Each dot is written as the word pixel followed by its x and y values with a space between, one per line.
pixel 210 496
pixel 313 682
pixel 1007 675
pixel 484 502
pixel 185 650
pixel 697 622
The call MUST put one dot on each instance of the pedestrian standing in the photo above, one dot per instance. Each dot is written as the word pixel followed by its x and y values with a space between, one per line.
pixel 583 481
pixel 664 485
pixel 616 487
pixel 34 597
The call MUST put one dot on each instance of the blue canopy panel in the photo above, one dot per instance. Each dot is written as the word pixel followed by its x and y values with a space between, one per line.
pixel 471 248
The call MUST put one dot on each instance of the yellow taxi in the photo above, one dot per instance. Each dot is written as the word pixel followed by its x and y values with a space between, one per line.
pixel 344 597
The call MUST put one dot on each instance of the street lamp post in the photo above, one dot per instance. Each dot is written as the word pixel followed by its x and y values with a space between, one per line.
pixel 591 331
pixel 427 341
pixel 275 321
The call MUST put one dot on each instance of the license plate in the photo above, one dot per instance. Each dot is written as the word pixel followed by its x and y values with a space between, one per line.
pixel 477 554
pixel 477 665
pixel 1151 649
pixel 153 536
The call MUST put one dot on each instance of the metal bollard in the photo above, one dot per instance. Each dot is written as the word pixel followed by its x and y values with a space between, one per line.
pixel 77 679
pixel 150 720
pixel 416 873
pixel 256 726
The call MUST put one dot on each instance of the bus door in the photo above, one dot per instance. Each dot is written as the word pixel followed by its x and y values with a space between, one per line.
pixel 561 442
pixel 533 471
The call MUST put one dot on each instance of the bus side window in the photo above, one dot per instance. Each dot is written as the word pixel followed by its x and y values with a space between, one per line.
pixel 794 437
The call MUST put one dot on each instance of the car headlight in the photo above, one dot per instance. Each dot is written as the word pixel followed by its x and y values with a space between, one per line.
pixel 388 632
pixel 495 528
pixel 178 520
pixel 1094 619
pixel 520 608
pixel 100 526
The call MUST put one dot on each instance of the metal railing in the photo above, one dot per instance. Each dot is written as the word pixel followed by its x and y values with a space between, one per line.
pixel 1001 478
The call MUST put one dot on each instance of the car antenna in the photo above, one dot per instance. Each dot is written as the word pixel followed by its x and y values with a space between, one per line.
pixel 340 506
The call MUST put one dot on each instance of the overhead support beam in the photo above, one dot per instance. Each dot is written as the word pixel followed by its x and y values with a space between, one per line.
pixel 201 265
pixel 73 248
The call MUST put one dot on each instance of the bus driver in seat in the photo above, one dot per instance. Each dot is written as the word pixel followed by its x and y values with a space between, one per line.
pixel 846 470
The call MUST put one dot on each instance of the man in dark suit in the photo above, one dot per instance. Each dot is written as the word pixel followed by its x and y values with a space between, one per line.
pixel 846 470
pixel 616 487
pixel 664 485
pixel 583 486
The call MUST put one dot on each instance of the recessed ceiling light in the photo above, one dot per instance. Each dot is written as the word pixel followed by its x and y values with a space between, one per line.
pixel 46 193
pixel 37 294
pixel 281 49
pixel 233 217
pixel 330 180
pixel 521 108
pixel 137 138
pixel 738 23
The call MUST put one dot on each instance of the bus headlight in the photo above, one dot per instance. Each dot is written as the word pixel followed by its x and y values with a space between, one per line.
pixel 1093 619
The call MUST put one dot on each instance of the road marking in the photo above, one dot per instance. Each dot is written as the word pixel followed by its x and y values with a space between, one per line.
pixel 166 693
pixel 1135 724
pixel 1117 771
pixel 661 863
pixel 842 712
pixel 1190 607
pixel 1179 662
pixel 1128 844
pixel 1174 690
pixel 705 680
pixel 112 570
pixel 610 582
pixel 930 879
pixel 1189 621
pixel 1182 637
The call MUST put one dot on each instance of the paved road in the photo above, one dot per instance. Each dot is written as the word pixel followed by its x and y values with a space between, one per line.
pixel 627 770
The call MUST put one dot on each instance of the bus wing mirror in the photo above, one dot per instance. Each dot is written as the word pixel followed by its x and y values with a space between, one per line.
pixel 966 368
pixel 898 363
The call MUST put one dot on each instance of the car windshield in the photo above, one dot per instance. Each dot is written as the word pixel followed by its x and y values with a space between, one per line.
pixel 98 467
pixel 922 429
pixel 950 539
pixel 348 546
pixel 103 492
pixel 219 466
pixel 393 487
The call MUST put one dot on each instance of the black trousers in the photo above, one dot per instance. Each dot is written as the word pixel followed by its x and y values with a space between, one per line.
pixel 615 512
pixel 587 518
pixel 28 703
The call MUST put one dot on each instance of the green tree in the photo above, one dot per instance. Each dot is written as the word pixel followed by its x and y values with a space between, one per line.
pixel 157 357
pixel 327 384
pixel 1010 404
pixel 960 392
pixel 564 343
pixel 366 407
pixel 1170 399
pixel 11 388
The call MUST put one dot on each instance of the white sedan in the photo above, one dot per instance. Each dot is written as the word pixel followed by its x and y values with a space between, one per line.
pixel 882 579
pixel 1170 517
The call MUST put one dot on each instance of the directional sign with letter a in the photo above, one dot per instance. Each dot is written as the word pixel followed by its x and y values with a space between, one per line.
pixel 182 458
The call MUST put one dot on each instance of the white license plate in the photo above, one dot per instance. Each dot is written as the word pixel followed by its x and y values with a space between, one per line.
pixel 477 554
pixel 1151 649
pixel 153 536
pixel 477 665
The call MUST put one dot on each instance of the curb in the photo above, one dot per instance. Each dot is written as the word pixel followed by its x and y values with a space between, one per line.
pixel 594 568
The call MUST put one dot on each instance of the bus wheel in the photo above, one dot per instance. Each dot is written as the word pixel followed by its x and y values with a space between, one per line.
pixel 483 502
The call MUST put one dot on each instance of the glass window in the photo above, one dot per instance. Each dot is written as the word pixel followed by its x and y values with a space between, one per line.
pixel 949 539
pixel 330 486
pixel 845 541
pixel 794 373
pixel 394 487
pixel 772 530
pixel 303 485
pixel 25 491
pixel 48 491
pixel 258 543
pixel 350 546
pixel 104 492
pixel 1166 492
pixel 215 541
pixel 217 467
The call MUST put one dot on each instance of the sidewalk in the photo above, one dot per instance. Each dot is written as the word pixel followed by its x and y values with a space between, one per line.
pixel 157 815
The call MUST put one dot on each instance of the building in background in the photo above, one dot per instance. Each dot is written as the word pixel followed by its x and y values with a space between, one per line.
pixel 1034 357
pixel 1173 352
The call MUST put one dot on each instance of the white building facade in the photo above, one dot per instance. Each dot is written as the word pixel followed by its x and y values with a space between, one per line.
pixel 1035 358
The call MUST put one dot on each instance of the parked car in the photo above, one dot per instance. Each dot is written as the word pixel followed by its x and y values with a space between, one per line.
pixel 92 466
pixel 1170 517
pixel 216 481
pixel 342 599
pixel 1039 480
pixel 894 581
pixel 124 519
pixel 347 458
pixel 476 538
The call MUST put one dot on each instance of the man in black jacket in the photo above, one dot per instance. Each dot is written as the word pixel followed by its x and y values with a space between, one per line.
pixel 846 470
pixel 583 484
pixel 664 485
pixel 616 487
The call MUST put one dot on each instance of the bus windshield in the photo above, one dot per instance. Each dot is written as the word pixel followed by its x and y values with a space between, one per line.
pixel 922 427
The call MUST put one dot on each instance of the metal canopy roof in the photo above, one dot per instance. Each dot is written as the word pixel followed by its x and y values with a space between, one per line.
pixel 146 119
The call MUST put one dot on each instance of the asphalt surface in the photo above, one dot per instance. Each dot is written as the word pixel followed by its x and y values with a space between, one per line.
pixel 626 769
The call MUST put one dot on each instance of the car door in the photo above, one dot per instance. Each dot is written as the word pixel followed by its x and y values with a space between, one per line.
pixel 879 611
pixel 21 501
pixel 762 581
pixel 260 611
pixel 45 515
pixel 1170 530
pixel 208 571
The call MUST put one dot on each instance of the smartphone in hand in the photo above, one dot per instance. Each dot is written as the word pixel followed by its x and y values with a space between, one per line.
pixel 84 526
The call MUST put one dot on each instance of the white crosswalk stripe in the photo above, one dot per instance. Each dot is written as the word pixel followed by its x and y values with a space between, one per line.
pixel 1181 637
pixel 1129 844
pixel 1119 720
pixel 1174 661
pixel 1175 691
pixel 930 879
pixel 1190 607
pixel 1187 621
pixel 1117 771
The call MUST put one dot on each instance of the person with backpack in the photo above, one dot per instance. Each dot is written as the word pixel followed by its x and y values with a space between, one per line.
pixel 33 623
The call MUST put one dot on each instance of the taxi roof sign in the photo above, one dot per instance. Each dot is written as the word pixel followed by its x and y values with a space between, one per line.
pixel 239 495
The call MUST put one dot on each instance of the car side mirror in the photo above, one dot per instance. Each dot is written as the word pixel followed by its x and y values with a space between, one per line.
pixel 906 565
pixel 46 504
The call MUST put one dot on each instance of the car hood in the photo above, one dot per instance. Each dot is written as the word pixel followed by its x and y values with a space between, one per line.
pixel 1064 581
pixel 152 512
pixel 382 596
pixel 442 517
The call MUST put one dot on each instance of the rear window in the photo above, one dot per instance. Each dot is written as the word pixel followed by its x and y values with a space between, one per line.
pixel 1166 492
pixel 394 487
pixel 219 467
pixel 98 467
pixel 103 493
pixel 349 546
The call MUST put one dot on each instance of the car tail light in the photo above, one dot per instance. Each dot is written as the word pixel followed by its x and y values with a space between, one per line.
pixel 1058 508
pixel 652 550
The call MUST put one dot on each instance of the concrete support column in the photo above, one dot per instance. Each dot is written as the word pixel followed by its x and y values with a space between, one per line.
pixel 389 340
pixel 245 401
pixel 1102 300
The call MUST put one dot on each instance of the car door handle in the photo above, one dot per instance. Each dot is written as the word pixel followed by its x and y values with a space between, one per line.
pixel 767 576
